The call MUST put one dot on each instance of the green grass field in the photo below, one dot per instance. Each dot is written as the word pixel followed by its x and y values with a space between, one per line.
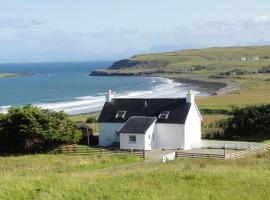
pixel 76 177
pixel 82 119
pixel 253 85
pixel 252 88
pixel 52 176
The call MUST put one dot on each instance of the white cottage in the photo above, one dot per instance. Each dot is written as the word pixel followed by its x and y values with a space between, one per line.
pixel 156 123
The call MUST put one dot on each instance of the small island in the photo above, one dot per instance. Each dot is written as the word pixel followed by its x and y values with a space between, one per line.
pixel 9 75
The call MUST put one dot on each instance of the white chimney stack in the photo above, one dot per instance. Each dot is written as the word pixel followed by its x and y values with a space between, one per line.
pixel 190 98
pixel 109 96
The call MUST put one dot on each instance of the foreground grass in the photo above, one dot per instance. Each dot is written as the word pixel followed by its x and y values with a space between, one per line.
pixel 72 177
pixel 37 176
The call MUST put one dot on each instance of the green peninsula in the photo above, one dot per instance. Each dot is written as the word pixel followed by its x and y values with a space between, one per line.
pixel 239 76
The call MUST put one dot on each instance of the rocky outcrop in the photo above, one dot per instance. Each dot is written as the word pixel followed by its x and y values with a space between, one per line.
pixel 128 63
pixel 111 73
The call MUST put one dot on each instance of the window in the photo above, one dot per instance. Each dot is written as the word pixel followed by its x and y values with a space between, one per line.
pixel 120 114
pixel 132 138
pixel 163 115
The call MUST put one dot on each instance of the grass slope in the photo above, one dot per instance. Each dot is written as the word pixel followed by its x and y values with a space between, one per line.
pixel 215 61
pixel 51 176
pixel 73 177
pixel 252 88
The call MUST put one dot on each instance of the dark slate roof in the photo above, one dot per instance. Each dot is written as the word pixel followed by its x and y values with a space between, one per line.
pixel 137 124
pixel 178 109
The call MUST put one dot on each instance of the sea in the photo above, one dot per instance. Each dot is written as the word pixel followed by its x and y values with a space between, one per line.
pixel 67 86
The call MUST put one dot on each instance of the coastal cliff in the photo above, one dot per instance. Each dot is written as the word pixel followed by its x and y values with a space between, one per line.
pixel 129 63
pixel 217 66
pixel 209 63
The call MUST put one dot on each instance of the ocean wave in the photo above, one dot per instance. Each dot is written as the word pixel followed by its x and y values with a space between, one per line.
pixel 85 104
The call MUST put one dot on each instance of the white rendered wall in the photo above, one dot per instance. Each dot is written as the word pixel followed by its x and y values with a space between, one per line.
pixel 192 127
pixel 143 141
pixel 169 136
pixel 107 134
pixel 149 139
pixel 126 144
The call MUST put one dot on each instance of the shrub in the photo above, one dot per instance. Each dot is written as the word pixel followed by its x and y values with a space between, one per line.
pixel 248 121
pixel 264 70
pixel 91 120
pixel 31 129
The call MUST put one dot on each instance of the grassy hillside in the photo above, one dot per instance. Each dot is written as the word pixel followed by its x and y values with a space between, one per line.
pixel 75 177
pixel 212 65
pixel 215 60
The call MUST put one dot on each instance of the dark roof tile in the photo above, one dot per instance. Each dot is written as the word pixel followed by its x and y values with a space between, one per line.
pixel 178 109
pixel 137 124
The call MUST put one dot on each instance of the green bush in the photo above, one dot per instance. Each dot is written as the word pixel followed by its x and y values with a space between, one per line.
pixel 30 129
pixel 91 120
pixel 264 70
pixel 248 121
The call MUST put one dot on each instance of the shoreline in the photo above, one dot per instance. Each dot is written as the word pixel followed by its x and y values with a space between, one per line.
pixel 209 87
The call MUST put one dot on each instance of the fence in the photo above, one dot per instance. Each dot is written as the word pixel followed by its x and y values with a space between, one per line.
pixel 248 152
pixel 253 150
pixel 199 155
pixel 225 145
pixel 86 150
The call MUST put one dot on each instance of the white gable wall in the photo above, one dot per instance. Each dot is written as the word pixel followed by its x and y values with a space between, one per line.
pixel 169 136
pixel 158 136
pixel 143 140
pixel 126 144
pixel 192 127
pixel 107 133
pixel 149 138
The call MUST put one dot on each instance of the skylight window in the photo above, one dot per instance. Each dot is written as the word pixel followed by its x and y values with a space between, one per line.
pixel 163 115
pixel 120 114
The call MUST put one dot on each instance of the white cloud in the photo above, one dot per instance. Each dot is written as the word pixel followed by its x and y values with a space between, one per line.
pixel 109 43
pixel 19 23
pixel 261 19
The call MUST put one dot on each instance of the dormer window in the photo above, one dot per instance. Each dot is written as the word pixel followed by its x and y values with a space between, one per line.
pixel 163 115
pixel 120 114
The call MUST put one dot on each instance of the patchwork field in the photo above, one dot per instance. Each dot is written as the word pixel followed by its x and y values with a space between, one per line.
pixel 76 177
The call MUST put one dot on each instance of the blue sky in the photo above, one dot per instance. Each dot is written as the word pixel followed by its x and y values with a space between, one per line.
pixel 68 30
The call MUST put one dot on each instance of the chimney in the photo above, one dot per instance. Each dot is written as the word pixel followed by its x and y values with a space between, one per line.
pixel 109 96
pixel 190 98
pixel 145 104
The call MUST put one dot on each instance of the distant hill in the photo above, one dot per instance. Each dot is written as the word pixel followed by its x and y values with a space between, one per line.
pixel 209 62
